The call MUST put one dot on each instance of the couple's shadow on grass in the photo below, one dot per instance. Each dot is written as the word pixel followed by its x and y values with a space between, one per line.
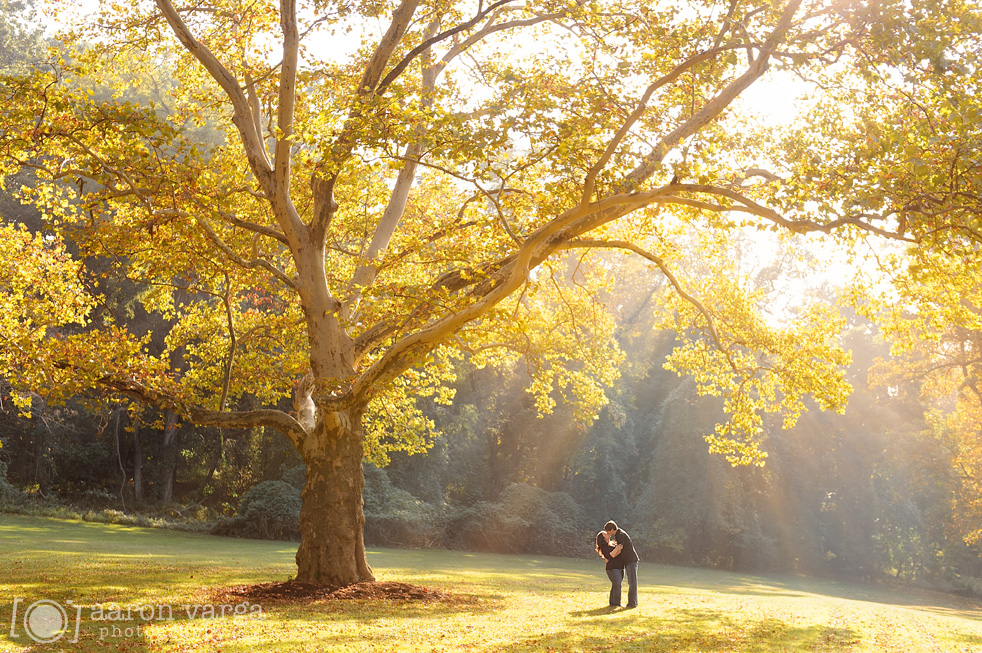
pixel 599 612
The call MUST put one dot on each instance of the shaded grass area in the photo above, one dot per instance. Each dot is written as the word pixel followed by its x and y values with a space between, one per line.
pixel 104 575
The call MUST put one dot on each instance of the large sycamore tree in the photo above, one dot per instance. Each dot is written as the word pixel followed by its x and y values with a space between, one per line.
pixel 328 203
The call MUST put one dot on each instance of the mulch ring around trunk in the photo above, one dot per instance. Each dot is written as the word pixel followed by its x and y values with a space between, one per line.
pixel 294 592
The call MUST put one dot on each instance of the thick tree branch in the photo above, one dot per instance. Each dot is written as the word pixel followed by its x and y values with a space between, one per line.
pixel 323 186
pixel 726 23
pixel 367 270
pixel 256 228
pixel 268 417
pixel 747 205
pixel 238 260
pixel 230 358
pixel 387 45
pixel 569 227
pixel 535 249
pixel 714 107
pixel 589 183
pixel 287 101
pixel 411 349
pixel 256 113
pixel 241 111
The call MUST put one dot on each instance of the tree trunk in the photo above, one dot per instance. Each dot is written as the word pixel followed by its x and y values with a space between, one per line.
pixel 332 546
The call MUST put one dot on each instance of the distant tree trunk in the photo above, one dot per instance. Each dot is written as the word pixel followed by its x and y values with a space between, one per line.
pixel 40 473
pixel 214 465
pixel 495 462
pixel 170 446
pixel 40 468
pixel 119 457
pixel 137 461
pixel 332 546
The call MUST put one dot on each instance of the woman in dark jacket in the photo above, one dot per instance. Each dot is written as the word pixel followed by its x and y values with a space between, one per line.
pixel 615 567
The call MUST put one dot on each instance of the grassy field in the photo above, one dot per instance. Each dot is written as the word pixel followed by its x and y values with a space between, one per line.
pixel 133 589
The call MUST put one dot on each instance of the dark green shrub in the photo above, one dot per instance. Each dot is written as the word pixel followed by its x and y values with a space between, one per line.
pixel 295 476
pixel 394 517
pixel 269 511
pixel 525 519
pixel 486 526
pixel 9 495
pixel 97 499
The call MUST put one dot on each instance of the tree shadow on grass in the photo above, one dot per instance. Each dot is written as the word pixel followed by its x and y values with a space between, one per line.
pixel 208 617
pixel 597 612
pixel 692 630
pixel 219 616
pixel 671 579
pixel 225 621
pixel 971 640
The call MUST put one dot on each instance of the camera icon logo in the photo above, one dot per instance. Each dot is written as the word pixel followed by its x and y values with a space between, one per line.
pixel 44 621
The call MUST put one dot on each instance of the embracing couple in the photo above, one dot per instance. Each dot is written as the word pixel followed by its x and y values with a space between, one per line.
pixel 615 546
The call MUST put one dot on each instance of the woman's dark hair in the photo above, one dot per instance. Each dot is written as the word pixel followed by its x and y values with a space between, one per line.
pixel 599 535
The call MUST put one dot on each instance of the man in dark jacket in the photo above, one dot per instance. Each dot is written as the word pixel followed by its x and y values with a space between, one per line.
pixel 628 557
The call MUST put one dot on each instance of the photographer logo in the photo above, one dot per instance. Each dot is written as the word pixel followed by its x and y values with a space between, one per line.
pixel 44 621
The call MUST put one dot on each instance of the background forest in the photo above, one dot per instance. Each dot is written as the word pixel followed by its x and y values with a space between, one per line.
pixel 889 488
pixel 877 491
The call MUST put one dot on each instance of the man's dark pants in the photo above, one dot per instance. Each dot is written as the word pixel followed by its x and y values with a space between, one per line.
pixel 631 571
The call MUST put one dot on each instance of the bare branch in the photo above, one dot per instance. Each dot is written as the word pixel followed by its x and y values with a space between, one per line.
pixel 241 111
pixel 714 107
pixel 442 36
pixel 250 264
pixel 672 279
pixel 589 183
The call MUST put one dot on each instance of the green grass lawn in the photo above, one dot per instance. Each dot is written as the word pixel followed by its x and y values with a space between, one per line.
pixel 504 603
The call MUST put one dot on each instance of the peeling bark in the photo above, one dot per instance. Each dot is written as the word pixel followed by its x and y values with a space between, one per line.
pixel 332 547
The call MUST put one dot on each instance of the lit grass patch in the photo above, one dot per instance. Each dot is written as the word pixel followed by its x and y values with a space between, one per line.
pixel 500 603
